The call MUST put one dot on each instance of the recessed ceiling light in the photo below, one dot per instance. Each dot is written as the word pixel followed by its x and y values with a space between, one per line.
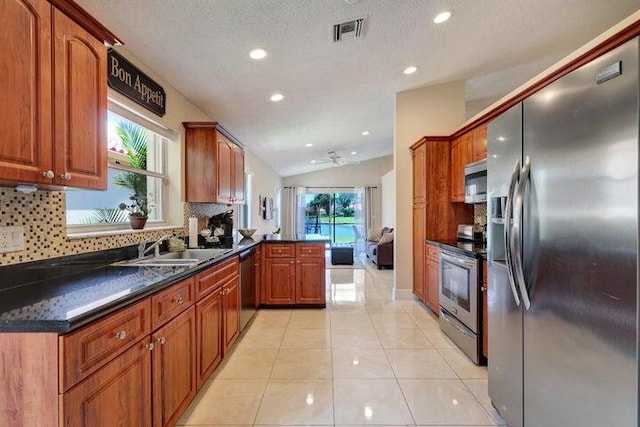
pixel 442 17
pixel 410 70
pixel 308 145
pixel 353 153
pixel 258 53
pixel 313 161
pixel 365 133
pixel 277 97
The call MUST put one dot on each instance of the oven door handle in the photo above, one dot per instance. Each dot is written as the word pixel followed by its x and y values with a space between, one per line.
pixel 516 237
pixel 507 231
pixel 456 324
pixel 461 262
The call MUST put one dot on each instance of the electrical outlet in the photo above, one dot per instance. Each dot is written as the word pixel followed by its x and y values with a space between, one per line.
pixel 11 239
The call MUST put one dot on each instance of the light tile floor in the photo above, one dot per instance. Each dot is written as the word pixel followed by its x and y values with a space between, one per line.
pixel 367 359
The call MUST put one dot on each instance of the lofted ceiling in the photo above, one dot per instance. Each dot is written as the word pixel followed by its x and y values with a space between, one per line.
pixel 335 91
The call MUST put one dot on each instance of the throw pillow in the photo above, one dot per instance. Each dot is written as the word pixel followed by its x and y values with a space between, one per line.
pixel 373 235
pixel 386 238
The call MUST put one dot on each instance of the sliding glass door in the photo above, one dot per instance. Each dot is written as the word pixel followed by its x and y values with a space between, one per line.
pixel 333 214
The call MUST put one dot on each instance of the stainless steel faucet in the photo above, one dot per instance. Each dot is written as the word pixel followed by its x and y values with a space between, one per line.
pixel 156 246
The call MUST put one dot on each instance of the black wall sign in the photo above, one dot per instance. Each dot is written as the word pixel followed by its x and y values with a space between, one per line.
pixel 127 79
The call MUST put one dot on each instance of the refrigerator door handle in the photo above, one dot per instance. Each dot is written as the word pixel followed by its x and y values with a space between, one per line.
pixel 516 237
pixel 507 231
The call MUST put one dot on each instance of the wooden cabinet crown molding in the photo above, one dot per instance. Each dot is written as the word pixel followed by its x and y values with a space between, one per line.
pixel 88 22
pixel 214 125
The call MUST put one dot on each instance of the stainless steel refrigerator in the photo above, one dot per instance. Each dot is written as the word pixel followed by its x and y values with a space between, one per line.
pixel 563 250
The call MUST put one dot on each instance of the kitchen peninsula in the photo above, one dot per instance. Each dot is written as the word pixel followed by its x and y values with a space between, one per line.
pixel 84 329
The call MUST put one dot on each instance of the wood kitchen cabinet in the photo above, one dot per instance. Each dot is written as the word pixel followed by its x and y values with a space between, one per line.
pixel 467 148
pixel 174 368
pixel 230 312
pixel 419 253
pixel 214 164
pixel 209 339
pixel 419 174
pixel 54 103
pixel 485 310
pixel 126 379
pixel 432 287
pixel 294 274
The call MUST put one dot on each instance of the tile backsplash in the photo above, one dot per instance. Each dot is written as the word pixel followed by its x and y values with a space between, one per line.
pixel 480 214
pixel 42 214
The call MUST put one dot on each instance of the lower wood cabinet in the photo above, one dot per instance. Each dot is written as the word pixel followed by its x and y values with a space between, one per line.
pixel 432 291
pixel 125 380
pixel 209 338
pixel 174 368
pixel 230 312
pixel 294 274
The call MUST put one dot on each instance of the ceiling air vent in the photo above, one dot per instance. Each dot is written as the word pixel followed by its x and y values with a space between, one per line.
pixel 348 30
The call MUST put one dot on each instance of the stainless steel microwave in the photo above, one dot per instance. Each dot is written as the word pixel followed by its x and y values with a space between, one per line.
pixel 475 182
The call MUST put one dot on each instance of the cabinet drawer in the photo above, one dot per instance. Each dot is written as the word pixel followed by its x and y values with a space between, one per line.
pixel 212 278
pixel 280 250
pixel 169 303
pixel 310 250
pixel 84 351
pixel 433 252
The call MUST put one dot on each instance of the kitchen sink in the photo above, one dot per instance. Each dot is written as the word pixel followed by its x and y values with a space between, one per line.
pixel 186 258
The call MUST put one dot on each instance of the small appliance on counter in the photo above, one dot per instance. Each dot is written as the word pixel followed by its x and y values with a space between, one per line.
pixel 221 226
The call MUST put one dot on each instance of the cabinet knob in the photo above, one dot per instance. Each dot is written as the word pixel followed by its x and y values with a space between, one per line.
pixel 150 346
pixel 279 251
pixel 48 174
pixel 121 335
pixel 483 289
pixel 66 176
pixel 309 250
pixel 180 300
pixel 291 261
pixel 161 340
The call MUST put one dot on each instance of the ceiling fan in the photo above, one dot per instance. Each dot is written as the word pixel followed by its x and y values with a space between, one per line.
pixel 335 159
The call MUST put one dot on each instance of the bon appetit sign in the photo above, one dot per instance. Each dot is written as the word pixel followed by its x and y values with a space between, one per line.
pixel 127 79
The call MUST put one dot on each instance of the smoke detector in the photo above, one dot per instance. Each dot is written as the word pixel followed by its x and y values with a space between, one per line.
pixel 348 30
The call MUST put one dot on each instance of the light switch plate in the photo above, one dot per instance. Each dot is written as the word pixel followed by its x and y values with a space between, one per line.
pixel 11 239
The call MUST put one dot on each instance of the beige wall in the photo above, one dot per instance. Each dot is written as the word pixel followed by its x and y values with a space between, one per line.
pixel 434 110
pixel 265 184
pixel 364 174
pixel 388 193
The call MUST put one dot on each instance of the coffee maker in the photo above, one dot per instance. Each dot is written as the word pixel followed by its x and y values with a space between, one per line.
pixel 221 225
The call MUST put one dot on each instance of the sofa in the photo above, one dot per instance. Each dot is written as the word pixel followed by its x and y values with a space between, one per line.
pixel 381 254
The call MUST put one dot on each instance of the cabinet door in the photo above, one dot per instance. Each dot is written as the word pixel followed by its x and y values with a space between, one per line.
pixel 258 267
pixel 238 175
pixel 223 171
pixel 80 111
pixel 201 149
pixel 98 400
pixel 231 312
pixel 419 221
pixel 419 174
pixel 209 338
pixel 174 368
pixel 25 105
pixel 479 144
pixel 280 275
pixel 434 285
pixel 310 281
pixel 459 158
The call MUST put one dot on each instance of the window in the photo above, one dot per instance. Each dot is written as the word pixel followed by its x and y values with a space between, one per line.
pixel 135 180
pixel 332 213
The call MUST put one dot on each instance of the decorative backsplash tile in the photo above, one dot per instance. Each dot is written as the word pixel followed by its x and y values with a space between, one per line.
pixel 480 214
pixel 42 214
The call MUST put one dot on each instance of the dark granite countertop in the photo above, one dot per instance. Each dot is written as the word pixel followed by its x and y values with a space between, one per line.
pixel 477 250
pixel 62 294
pixel 292 238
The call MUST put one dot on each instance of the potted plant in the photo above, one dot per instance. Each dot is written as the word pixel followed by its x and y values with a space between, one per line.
pixel 134 140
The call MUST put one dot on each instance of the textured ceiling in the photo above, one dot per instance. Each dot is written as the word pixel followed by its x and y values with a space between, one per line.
pixel 334 91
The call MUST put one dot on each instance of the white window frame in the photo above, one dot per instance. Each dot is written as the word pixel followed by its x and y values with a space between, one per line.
pixel 162 136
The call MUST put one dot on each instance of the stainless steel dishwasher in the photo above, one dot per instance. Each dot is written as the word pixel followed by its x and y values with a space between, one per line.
pixel 247 286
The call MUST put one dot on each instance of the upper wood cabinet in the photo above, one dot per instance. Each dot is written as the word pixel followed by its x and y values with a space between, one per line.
pixel 467 148
pixel 419 174
pixel 54 103
pixel 214 165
